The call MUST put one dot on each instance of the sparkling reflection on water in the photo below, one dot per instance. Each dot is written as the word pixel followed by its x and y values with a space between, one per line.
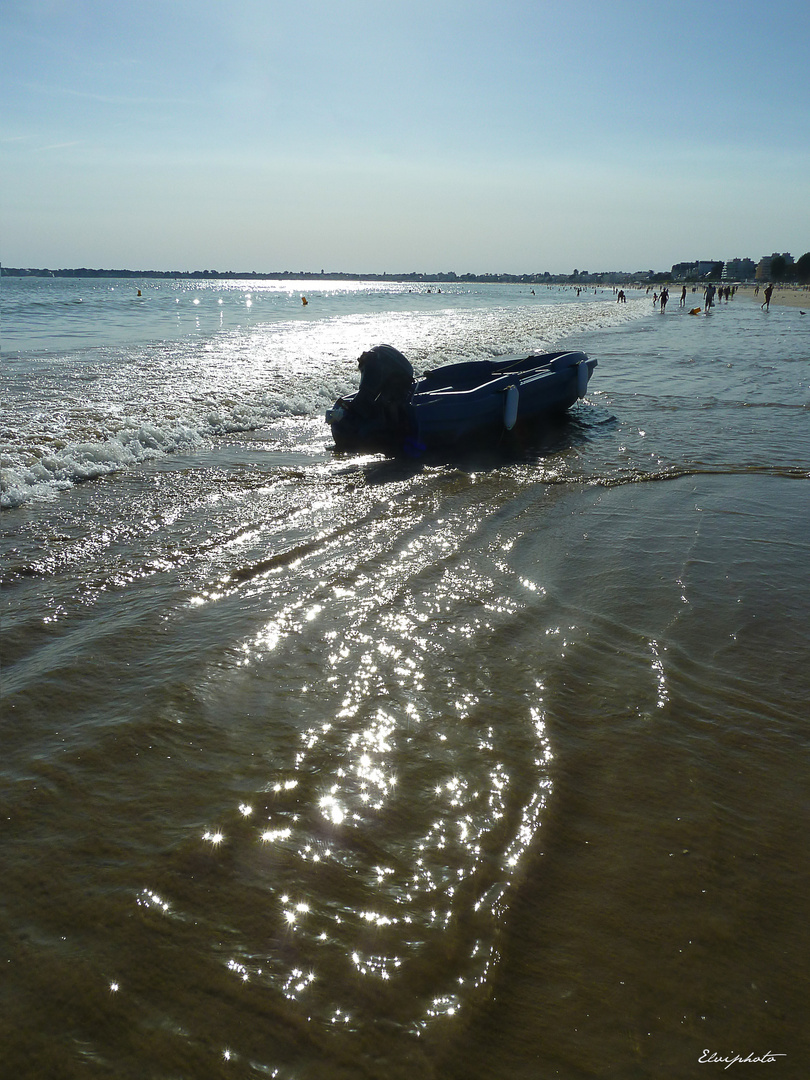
pixel 407 793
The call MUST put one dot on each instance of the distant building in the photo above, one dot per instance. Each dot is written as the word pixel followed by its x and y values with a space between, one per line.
pixel 692 271
pixel 681 271
pixel 764 265
pixel 739 270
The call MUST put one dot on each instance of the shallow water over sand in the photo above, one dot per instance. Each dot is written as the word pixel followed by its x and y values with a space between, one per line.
pixel 331 766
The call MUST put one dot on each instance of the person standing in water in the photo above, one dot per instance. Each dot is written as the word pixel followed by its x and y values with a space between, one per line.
pixel 767 301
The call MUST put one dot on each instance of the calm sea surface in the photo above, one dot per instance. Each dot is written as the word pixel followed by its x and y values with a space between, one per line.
pixel 320 766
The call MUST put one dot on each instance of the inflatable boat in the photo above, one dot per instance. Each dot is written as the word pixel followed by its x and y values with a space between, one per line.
pixel 395 412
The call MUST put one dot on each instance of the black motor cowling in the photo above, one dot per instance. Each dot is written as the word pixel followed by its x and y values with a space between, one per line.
pixel 386 379
pixel 378 415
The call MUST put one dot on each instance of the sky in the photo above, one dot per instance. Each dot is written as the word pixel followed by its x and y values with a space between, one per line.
pixel 381 136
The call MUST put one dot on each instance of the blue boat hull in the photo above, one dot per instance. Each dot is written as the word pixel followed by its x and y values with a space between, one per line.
pixel 460 404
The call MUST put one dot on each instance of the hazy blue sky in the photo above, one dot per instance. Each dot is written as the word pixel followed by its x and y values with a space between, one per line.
pixel 378 135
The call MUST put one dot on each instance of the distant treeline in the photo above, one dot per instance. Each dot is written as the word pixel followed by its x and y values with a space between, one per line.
pixel 304 275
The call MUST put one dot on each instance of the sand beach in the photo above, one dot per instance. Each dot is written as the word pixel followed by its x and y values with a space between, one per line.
pixel 788 295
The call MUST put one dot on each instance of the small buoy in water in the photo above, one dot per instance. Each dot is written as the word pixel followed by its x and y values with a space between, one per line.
pixel 695 311
pixel 139 292
pixel 304 301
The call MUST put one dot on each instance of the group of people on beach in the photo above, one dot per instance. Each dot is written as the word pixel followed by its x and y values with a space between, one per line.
pixel 711 294
pixel 725 292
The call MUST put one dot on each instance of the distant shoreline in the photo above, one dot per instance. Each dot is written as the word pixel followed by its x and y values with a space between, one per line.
pixel 607 279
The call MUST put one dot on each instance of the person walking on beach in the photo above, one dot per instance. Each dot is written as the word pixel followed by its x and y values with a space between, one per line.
pixel 767 301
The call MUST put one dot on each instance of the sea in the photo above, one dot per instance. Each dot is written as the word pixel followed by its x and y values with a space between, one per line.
pixel 324 766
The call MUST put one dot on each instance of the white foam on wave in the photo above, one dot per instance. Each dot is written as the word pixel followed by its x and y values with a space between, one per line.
pixel 40 471
pixel 58 469
pixel 169 399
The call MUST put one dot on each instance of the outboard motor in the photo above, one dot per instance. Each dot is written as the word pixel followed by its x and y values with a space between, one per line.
pixel 378 412
pixel 386 379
